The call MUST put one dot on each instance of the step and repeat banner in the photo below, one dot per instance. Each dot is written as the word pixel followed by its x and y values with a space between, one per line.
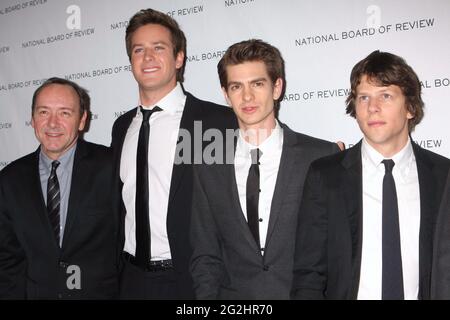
pixel 321 40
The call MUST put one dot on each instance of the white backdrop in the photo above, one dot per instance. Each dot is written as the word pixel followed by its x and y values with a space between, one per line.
pixel 321 40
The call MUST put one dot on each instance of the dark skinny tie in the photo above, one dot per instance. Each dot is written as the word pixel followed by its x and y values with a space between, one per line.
pixel 53 200
pixel 142 214
pixel 392 283
pixel 252 194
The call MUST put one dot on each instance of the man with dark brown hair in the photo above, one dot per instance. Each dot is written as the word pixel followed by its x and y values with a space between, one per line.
pixel 366 223
pixel 155 187
pixel 245 212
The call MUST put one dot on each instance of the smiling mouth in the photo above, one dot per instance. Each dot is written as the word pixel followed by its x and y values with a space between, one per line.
pixel 53 135
pixel 150 70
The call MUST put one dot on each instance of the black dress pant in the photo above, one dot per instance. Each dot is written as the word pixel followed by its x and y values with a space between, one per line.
pixel 138 284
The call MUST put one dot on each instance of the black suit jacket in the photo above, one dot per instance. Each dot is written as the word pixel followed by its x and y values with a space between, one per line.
pixel 227 262
pixel 329 237
pixel 32 265
pixel 440 280
pixel 180 196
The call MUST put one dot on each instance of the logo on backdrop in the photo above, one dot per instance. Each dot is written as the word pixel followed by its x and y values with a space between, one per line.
pixel 73 22
pixel 365 32
pixel 98 72
pixel 21 6
pixel 374 18
pixel 431 143
pixel 4 49
pixel 317 94
pixel 211 55
pixel 329 93
pixel 20 84
pixel 119 25
pixel 5 125
pixel 186 11
pixel 230 3
pixel 373 27
pixel 435 83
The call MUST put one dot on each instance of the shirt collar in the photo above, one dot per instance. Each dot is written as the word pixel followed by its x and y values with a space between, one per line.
pixel 372 158
pixel 270 146
pixel 172 103
pixel 64 161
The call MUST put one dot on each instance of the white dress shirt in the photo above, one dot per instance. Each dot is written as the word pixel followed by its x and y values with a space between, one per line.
pixel 164 127
pixel 269 164
pixel 408 195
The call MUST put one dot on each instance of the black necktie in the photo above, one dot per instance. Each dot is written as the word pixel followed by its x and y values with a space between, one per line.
pixel 252 194
pixel 142 215
pixel 53 200
pixel 392 283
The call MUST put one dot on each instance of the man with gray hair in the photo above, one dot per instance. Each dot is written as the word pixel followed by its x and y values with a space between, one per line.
pixel 58 226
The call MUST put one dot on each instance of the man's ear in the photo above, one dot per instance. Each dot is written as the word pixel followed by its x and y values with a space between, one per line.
pixel 277 88
pixel 225 94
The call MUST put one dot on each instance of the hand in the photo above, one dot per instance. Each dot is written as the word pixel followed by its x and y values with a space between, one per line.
pixel 341 145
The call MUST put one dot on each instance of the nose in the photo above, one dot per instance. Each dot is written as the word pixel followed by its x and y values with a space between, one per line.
pixel 148 55
pixel 53 120
pixel 373 105
pixel 247 93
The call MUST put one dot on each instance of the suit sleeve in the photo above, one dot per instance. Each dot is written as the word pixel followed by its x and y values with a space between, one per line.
pixel 440 275
pixel 114 132
pixel 12 257
pixel 206 263
pixel 310 259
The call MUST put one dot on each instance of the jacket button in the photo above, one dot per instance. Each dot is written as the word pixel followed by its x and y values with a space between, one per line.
pixel 266 268
pixel 60 295
pixel 63 264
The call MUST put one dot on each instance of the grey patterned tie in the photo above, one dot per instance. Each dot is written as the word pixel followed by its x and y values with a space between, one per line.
pixel 53 200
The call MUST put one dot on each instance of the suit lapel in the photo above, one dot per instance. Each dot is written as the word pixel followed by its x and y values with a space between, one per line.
pixel 289 154
pixel 80 177
pixel 353 204
pixel 37 199
pixel 187 123
pixel 229 175
pixel 428 212
pixel 118 138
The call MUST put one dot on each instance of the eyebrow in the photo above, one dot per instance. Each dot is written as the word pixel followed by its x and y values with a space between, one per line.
pixel 47 107
pixel 159 42
pixel 262 79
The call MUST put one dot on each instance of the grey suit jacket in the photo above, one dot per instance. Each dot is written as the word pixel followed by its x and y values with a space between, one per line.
pixel 227 262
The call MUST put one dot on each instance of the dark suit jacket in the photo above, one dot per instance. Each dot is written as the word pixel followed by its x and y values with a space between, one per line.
pixel 329 237
pixel 180 196
pixel 227 262
pixel 440 277
pixel 32 265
